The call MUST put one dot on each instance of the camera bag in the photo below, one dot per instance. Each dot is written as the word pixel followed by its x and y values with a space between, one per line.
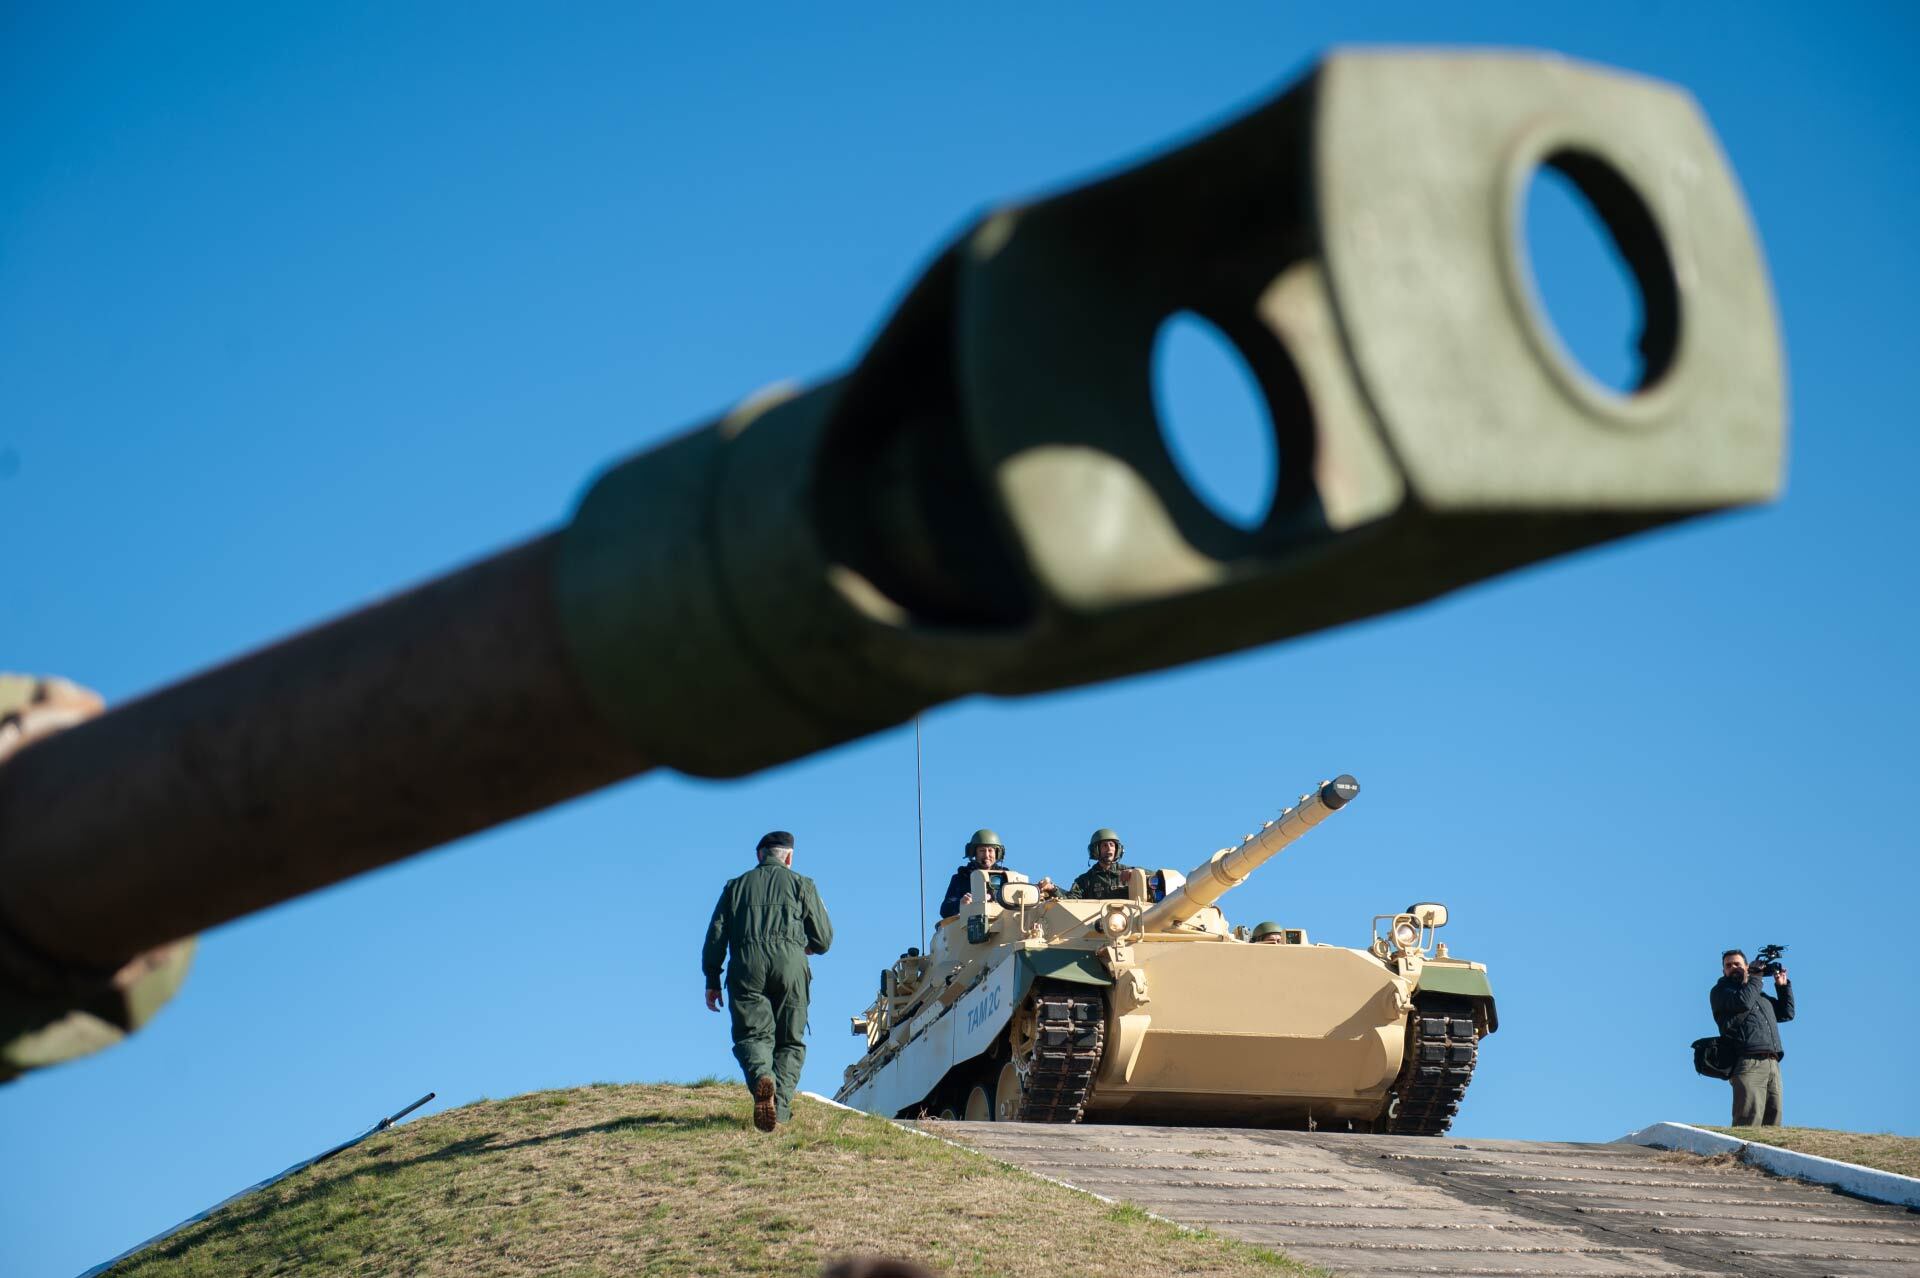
pixel 1711 1058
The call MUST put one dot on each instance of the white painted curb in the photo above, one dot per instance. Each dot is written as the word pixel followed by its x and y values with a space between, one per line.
pixel 828 1100
pixel 1848 1178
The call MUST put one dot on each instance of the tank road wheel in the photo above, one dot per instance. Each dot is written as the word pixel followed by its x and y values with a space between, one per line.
pixel 979 1105
pixel 1022 1035
pixel 1009 1094
pixel 946 1114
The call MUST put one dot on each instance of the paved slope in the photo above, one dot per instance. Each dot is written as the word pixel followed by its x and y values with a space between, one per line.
pixel 1396 1205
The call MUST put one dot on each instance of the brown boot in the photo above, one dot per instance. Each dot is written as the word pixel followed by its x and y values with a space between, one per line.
pixel 763 1114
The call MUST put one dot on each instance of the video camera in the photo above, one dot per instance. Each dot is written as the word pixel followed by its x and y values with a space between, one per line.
pixel 1767 961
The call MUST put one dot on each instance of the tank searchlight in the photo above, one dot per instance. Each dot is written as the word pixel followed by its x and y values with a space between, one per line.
pixel 1229 867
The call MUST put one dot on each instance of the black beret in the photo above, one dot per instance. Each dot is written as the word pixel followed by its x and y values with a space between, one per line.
pixel 774 839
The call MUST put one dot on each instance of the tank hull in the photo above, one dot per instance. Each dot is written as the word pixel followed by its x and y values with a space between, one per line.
pixel 1213 1031
pixel 1253 1035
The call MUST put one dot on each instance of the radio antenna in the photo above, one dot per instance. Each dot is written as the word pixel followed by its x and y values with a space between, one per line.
pixel 920 826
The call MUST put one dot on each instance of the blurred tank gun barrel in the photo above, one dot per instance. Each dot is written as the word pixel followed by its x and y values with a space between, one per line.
pixel 984 503
pixel 1229 867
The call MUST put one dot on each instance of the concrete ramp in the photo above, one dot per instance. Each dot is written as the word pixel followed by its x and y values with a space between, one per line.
pixel 1399 1205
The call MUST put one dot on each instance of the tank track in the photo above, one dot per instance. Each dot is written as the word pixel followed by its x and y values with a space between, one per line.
pixel 1070 1033
pixel 1439 1065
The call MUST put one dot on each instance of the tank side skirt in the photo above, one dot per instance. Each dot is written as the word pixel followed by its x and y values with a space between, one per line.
pixel 965 1030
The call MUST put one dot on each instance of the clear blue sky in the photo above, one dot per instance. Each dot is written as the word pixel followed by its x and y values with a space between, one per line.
pixel 298 307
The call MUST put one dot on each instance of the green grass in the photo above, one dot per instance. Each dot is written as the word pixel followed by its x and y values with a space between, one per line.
pixel 672 1180
pixel 1881 1151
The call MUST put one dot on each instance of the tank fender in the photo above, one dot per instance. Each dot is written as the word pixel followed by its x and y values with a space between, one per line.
pixel 1060 965
pixel 1466 982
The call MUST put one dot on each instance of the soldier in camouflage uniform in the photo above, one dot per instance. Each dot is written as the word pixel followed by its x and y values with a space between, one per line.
pixel 766 924
pixel 1107 878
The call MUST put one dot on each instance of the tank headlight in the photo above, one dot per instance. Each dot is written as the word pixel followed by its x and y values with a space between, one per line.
pixel 1115 922
pixel 1406 935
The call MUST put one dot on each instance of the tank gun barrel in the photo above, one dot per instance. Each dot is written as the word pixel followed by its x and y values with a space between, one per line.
pixel 985 502
pixel 1228 868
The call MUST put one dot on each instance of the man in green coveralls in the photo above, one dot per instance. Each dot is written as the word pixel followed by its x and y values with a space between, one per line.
pixel 766 924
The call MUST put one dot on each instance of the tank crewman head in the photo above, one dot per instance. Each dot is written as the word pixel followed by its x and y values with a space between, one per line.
pixel 775 845
pixel 985 850
pixel 1105 847
pixel 1268 933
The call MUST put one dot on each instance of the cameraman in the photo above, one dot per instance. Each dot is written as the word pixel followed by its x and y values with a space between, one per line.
pixel 1749 1022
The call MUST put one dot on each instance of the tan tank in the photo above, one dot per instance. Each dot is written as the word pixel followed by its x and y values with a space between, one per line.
pixel 1153 1008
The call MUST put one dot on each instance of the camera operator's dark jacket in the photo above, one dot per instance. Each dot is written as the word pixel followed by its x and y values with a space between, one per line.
pixel 1749 1018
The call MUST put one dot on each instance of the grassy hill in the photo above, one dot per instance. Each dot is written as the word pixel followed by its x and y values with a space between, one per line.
pixel 1897 1154
pixel 673 1180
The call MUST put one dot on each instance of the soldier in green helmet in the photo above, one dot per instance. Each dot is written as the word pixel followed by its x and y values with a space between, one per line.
pixel 766 924
pixel 1107 878
pixel 984 851
pixel 1268 933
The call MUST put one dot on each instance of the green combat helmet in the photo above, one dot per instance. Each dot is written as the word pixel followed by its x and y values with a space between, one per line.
pixel 1100 836
pixel 985 838
pixel 1267 928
